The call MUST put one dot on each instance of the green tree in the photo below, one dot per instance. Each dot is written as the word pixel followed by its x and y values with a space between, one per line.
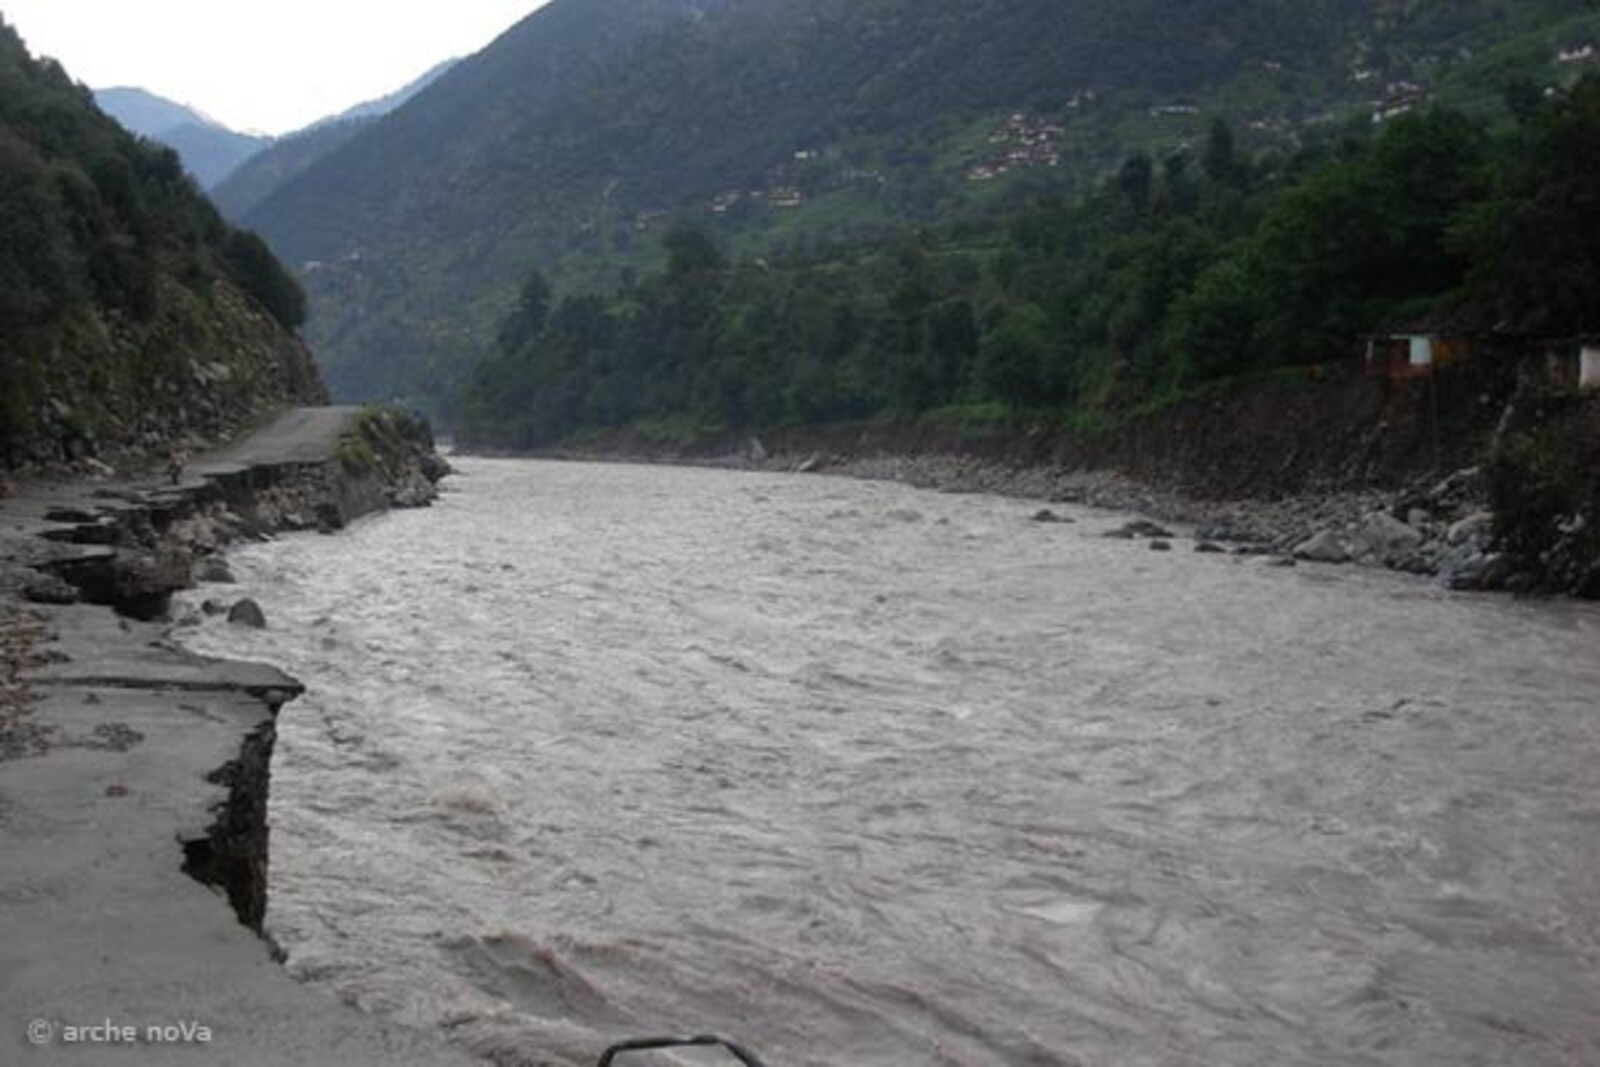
pixel 691 253
pixel 527 316
pixel 261 275
pixel 1014 358
pixel 1535 243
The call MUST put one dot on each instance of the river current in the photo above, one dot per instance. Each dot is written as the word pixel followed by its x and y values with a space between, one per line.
pixel 864 775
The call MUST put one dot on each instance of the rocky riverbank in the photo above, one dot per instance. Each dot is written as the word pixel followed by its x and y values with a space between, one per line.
pixel 1335 467
pixel 1436 526
pixel 126 761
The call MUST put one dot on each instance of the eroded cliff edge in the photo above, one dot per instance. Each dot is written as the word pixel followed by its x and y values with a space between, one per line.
pixel 126 761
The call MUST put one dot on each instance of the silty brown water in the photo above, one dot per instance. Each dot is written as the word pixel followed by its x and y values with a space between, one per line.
pixel 864 775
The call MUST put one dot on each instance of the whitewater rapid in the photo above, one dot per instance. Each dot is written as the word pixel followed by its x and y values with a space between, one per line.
pixel 865 775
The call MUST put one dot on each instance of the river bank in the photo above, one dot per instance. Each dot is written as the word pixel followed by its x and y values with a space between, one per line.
pixel 1435 526
pixel 1334 466
pixel 133 774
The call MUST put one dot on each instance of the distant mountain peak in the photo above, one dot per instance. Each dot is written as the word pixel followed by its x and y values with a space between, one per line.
pixel 149 114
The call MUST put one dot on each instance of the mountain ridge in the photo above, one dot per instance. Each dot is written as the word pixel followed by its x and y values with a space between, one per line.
pixel 286 157
pixel 209 150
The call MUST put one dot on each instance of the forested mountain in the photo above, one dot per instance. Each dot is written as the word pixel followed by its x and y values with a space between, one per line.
pixel 1153 286
pixel 258 177
pixel 131 315
pixel 209 150
pixel 571 142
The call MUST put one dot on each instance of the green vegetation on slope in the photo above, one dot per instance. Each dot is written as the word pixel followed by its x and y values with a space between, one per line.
pixel 1173 274
pixel 130 313
pixel 576 139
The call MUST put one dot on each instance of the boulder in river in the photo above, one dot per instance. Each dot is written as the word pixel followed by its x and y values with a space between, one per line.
pixel 1139 528
pixel 248 613
pixel 1486 571
pixel 214 569
pixel 1046 515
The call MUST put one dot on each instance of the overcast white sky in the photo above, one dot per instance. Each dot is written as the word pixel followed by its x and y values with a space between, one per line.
pixel 265 66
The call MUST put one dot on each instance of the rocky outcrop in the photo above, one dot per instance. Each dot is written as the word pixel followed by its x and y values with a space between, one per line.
pixel 248 613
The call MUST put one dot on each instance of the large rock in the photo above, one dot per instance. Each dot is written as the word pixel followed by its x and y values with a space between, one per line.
pixel 435 466
pixel 1383 535
pixel 1325 547
pixel 248 613
pixel 1485 571
pixel 1474 527
pixel 1139 528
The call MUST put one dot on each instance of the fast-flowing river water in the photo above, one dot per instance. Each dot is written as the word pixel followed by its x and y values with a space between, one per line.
pixel 863 775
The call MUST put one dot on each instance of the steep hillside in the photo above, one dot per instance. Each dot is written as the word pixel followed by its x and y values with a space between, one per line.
pixel 781 120
pixel 211 153
pixel 131 315
pixel 209 150
pixel 263 173
pixel 433 156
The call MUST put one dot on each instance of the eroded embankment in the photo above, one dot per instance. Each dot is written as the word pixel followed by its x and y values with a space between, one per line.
pixel 129 546
pixel 125 759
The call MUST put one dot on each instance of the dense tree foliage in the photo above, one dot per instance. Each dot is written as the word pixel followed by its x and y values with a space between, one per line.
pixel 1170 275
pixel 1536 242
pixel 109 259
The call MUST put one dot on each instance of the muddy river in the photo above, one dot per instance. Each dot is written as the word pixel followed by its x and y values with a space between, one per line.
pixel 864 775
